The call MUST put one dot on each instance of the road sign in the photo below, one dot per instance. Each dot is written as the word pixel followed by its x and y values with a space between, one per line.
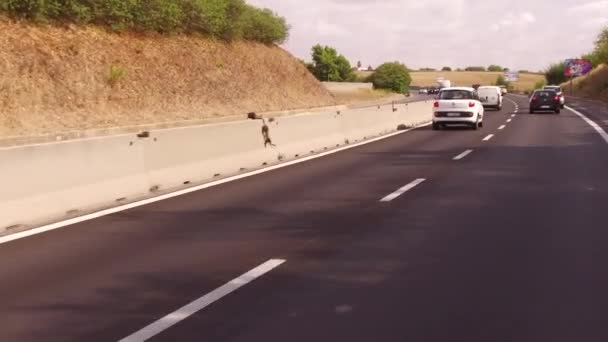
pixel 512 76
pixel 577 67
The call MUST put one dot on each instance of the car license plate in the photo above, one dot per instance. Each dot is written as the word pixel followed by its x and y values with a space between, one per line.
pixel 545 106
pixel 453 114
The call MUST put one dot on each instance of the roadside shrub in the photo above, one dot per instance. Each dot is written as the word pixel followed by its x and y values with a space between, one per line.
pixel 475 68
pixel 223 19
pixel 330 66
pixel 393 76
pixel 115 74
pixel 264 26
pixel 555 74
pixel 540 84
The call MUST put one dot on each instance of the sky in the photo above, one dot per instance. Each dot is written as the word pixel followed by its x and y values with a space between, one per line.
pixel 518 34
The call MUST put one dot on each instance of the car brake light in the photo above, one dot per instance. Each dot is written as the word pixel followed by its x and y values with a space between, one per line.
pixel 534 98
pixel 556 98
pixel 471 104
pixel 436 104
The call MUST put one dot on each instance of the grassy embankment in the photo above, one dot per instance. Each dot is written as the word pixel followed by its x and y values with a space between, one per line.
pixel 594 85
pixel 92 70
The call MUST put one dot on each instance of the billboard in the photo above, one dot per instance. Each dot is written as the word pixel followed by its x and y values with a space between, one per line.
pixel 577 67
pixel 512 76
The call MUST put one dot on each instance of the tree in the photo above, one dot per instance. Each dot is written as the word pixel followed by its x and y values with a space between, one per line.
pixel 446 68
pixel 555 74
pixel 601 47
pixel 428 69
pixel 501 81
pixel 359 65
pixel 393 76
pixel 370 68
pixel 540 84
pixel 329 66
pixel 475 68
pixel 495 68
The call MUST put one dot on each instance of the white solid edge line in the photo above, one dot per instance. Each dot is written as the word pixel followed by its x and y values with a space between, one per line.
pixel 591 123
pixel 190 309
pixel 105 212
pixel 403 190
pixel 488 137
pixel 463 154
pixel 502 127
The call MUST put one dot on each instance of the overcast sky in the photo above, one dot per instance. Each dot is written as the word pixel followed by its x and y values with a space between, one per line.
pixel 520 34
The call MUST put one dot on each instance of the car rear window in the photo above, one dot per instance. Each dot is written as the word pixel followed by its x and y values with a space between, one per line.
pixel 545 93
pixel 456 95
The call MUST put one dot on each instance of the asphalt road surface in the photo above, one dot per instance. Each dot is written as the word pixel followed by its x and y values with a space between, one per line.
pixel 499 234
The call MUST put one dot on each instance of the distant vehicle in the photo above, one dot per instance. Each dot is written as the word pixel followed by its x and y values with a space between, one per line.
pixel 445 84
pixel 458 105
pixel 490 97
pixel 423 91
pixel 503 90
pixel 560 93
pixel 546 100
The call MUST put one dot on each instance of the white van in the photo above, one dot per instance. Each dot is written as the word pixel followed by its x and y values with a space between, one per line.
pixel 490 97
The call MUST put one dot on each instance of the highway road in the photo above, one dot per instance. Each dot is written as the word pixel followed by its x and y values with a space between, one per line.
pixel 456 235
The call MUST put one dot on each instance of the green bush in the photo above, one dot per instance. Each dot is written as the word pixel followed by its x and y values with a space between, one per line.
pixel 115 74
pixel 475 68
pixel 495 68
pixel 555 74
pixel 393 76
pixel 263 26
pixel 328 65
pixel 224 19
pixel 540 84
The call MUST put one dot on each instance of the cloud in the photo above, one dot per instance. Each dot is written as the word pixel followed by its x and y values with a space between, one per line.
pixel 528 17
pixel 451 32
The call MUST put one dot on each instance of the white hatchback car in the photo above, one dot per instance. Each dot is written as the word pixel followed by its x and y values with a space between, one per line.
pixel 458 105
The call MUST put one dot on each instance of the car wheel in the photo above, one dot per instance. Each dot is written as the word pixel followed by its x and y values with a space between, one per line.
pixel 475 126
pixel 557 111
pixel 435 126
pixel 563 106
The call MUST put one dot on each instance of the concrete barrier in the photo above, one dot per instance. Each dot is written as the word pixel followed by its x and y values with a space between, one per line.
pixel 53 181
pixel 347 87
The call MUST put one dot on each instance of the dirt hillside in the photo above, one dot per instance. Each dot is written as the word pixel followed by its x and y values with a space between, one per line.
pixel 55 79
pixel 594 85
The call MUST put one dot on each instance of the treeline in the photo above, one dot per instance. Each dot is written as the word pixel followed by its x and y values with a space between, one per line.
pixel 491 68
pixel 555 73
pixel 330 66
pixel 222 19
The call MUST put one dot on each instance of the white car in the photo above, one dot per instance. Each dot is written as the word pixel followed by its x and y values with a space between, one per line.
pixel 490 96
pixel 458 105
pixel 560 93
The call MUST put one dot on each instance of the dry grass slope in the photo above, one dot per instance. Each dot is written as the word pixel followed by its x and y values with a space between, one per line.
pixel 593 86
pixel 63 79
